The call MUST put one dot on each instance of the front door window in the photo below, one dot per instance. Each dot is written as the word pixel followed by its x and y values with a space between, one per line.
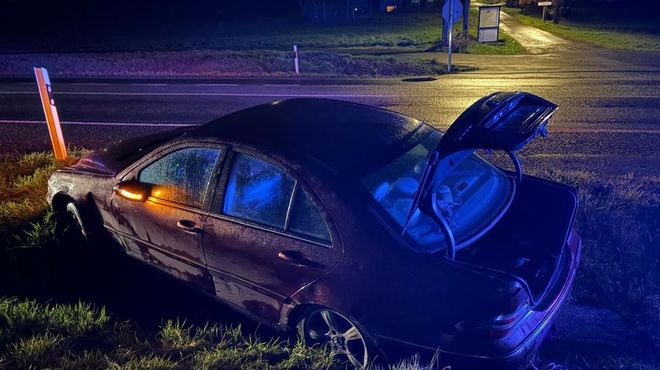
pixel 182 176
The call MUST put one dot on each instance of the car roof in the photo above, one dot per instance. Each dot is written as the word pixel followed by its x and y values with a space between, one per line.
pixel 345 137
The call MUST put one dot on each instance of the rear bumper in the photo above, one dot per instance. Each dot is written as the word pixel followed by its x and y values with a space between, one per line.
pixel 533 329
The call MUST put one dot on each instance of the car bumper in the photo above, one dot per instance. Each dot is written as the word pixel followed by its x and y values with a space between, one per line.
pixel 540 321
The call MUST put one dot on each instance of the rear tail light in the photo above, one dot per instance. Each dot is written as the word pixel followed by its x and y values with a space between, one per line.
pixel 511 312
pixel 514 309
pixel 505 322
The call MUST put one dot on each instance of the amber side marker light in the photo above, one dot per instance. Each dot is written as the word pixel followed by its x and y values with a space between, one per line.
pixel 133 190
pixel 128 195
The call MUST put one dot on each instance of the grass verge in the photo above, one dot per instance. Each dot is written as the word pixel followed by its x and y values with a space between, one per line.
pixel 611 36
pixel 77 336
pixel 225 64
pixel 619 221
pixel 229 49
pixel 23 186
pixel 416 30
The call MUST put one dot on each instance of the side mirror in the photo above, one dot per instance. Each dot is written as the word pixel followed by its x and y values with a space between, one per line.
pixel 133 190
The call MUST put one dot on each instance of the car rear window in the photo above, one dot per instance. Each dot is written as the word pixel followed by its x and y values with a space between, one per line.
pixel 306 219
pixel 470 195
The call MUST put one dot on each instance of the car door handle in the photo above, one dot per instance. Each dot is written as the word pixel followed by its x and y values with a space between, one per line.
pixel 188 226
pixel 296 258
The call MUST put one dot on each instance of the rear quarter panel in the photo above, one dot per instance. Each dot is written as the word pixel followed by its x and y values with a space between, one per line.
pixel 394 292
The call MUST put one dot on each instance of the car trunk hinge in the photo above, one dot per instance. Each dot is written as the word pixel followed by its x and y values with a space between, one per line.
pixel 516 164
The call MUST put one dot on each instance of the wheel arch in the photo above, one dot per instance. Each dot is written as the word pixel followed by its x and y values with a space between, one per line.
pixel 60 200
pixel 291 317
pixel 87 209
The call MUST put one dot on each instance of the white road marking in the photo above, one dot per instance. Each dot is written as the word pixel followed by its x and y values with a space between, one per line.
pixel 210 94
pixel 86 123
pixel 148 84
pixel 606 131
pixel 216 84
pixel 274 94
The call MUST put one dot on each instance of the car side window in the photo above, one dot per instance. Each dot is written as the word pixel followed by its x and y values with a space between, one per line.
pixel 305 218
pixel 182 176
pixel 263 193
pixel 258 191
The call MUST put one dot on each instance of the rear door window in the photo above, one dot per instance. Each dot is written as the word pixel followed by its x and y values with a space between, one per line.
pixel 258 191
pixel 263 193
pixel 306 219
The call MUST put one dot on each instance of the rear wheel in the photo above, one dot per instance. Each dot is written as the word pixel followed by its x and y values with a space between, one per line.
pixel 327 327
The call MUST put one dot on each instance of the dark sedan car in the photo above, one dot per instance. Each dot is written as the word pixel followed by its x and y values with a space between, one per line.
pixel 352 225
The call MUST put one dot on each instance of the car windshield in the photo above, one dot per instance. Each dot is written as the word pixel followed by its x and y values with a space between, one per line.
pixel 471 193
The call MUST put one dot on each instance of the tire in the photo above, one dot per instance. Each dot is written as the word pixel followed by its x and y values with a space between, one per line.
pixel 346 339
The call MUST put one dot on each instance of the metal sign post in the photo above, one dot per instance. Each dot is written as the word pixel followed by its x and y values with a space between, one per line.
pixel 451 12
pixel 50 111
pixel 545 5
pixel 295 59
pixel 451 32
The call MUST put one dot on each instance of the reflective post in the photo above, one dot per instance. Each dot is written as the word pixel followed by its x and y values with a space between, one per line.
pixel 295 59
pixel 50 111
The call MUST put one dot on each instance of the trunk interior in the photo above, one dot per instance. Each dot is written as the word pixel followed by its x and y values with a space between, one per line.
pixel 529 240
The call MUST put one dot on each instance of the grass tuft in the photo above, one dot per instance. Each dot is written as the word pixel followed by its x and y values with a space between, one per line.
pixel 38 234
pixel 23 188
pixel 42 349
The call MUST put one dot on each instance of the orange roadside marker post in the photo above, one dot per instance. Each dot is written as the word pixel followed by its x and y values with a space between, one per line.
pixel 50 111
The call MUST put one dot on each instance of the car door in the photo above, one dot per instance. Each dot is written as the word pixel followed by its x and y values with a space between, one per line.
pixel 266 237
pixel 166 229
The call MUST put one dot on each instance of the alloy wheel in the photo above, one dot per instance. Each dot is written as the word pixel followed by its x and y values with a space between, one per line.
pixel 325 326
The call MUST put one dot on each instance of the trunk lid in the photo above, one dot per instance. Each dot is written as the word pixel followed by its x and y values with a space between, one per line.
pixel 500 121
pixel 527 243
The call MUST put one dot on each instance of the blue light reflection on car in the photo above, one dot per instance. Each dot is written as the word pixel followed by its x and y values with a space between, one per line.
pixel 257 191
pixel 469 194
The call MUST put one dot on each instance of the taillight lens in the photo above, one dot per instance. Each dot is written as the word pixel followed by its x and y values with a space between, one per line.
pixel 512 311
pixel 515 308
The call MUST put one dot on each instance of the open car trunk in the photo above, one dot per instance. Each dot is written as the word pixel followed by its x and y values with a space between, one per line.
pixel 529 240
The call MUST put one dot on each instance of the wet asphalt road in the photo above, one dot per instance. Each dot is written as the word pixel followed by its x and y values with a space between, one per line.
pixel 609 121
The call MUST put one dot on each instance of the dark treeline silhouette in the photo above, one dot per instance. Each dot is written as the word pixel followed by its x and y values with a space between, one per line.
pixel 21 14
pixel 22 21
pixel 72 13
